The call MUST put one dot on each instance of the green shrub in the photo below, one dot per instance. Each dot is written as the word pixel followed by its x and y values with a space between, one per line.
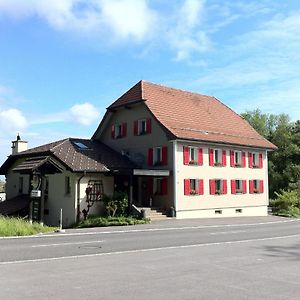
pixel 19 227
pixel 116 205
pixel 287 203
pixel 93 221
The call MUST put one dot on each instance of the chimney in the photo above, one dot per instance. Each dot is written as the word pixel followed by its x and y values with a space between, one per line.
pixel 18 145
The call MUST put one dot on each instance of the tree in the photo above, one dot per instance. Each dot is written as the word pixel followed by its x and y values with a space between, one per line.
pixel 284 163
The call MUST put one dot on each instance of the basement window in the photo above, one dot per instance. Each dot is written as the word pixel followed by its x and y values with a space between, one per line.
pixel 218 212
pixel 239 211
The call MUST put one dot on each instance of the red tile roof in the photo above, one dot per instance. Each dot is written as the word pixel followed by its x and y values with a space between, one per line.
pixel 193 116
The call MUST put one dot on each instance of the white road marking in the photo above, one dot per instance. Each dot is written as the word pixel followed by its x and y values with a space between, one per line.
pixel 227 232
pixel 145 250
pixel 64 244
pixel 147 230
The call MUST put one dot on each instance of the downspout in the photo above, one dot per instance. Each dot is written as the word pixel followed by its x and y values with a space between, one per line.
pixel 175 175
pixel 267 179
pixel 78 197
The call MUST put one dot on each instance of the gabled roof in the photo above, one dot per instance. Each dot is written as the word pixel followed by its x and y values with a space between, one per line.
pixel 193 116
pixel 94 157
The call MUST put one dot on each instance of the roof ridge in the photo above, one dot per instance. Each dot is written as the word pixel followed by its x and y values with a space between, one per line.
pixel 175 89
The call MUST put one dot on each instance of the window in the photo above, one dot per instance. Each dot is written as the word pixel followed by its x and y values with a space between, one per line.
pixel 218 186
pixel 193 186
pixel 237 159
pixel 142 126
pixel 81 146
pixel 255 160
pixel 67 185
pixel 158 156
pixel 217 157
pixel 94 191
pixel 21 181
pixel 192 156
pixel 118 130
pixel 256 186
pixel 238 186
pixel 160 186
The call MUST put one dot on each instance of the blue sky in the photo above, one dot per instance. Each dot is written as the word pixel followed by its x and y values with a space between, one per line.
pixel 62 62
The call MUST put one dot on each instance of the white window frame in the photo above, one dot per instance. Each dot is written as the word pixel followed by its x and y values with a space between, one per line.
pixel 118 131
pixel 141 127
pixel 193 159
pixel 237 158
pixel 194 186
pixel 157 157
pixel 256 186
pixel 217 156
pixel 255 159
pixel 219 191
pixel 238 182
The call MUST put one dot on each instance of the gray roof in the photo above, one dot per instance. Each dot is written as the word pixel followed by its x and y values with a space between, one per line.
pixel 78 155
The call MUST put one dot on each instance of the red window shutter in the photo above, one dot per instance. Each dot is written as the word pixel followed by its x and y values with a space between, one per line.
pixel 251 186
pixel 211 157
pixel 150 185
pixel 233 187
pixel 261 186
pixel 164 186
pixel 200 157
pixel 150 157
pixel 212 186
pixel 124 129
pixel 113 131
pixel 244 183
pixel 164 155
pixel 186 155
pixel 187 187
pixel 231 158
pixel 148 125
pixel 135 127
pixel 260 160
pixel 243 159
pixel 201 187
pixel 250 162
pixel 224 186
pixel 224 158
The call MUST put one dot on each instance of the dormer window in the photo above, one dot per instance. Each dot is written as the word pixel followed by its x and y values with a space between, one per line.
pixel 142 126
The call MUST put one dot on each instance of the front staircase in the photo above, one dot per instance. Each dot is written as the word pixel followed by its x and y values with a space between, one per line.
pixel 155 213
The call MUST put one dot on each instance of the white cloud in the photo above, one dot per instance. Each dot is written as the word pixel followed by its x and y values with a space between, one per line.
pixel 129 18
pixel 123 18
pixel 85 113
pixel 12 120
pixel 185 36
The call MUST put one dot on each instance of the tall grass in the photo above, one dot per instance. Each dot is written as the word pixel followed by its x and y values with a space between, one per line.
pixel 19 227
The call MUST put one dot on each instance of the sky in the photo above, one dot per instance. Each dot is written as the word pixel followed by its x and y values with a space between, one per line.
pixel 62 62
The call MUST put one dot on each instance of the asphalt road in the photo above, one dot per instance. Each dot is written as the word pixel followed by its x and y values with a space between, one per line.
pixel 242 258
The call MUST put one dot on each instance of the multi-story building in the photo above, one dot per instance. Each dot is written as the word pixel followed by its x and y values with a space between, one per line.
pixel 175 149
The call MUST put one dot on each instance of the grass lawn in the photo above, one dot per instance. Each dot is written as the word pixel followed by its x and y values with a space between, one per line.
pixel 20 227
pixel 94 221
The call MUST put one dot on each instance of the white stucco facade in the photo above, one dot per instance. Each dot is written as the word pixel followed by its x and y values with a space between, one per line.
pixel 224 205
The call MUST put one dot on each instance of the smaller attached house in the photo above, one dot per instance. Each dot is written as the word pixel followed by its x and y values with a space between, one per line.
pixel 169 149
pixel 61 171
